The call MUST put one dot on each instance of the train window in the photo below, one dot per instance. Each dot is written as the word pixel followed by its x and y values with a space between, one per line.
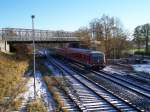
pixel 97 57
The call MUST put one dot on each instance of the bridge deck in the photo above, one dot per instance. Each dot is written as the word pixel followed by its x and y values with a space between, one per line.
pixel 26 35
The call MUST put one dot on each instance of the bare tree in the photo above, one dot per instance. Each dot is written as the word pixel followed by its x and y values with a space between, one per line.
pixel 109 31
pixel 84 35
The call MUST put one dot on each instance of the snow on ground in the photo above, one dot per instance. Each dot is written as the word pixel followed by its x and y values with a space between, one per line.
pixel 41 92
pixel 137 67
pixel 112 70
pixel 142 68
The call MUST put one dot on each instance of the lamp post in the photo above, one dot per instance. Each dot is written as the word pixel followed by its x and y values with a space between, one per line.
pixel 33 37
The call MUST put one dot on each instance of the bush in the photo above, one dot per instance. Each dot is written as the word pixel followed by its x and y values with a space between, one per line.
pixel 141 53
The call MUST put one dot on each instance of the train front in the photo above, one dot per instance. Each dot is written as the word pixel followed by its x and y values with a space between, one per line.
pixel 97 59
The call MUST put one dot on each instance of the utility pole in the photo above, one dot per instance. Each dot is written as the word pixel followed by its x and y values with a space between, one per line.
pixel 33 37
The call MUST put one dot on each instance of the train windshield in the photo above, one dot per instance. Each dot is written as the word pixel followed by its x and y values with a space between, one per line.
pixel 97 57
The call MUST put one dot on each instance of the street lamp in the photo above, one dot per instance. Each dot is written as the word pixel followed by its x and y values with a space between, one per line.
pixel 33 37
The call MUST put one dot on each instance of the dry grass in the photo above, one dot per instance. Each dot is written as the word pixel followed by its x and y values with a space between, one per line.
pixel 12 69
pixel 16 104
pixel 52 86
pixel 36 106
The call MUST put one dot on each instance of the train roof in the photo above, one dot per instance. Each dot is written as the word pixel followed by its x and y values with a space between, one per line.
pixel 84 50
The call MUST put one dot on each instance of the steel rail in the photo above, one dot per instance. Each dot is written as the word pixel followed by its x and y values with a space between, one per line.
pixel 108 92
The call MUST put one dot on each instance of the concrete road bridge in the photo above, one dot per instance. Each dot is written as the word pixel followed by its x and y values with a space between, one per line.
pixel 9 36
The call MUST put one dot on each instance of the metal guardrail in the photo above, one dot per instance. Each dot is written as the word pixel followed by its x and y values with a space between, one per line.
pixel 16 34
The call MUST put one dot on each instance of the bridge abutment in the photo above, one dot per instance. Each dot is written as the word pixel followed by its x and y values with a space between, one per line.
pixel 4 46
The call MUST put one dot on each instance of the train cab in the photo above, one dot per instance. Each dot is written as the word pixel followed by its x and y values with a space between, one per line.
pixel 97 59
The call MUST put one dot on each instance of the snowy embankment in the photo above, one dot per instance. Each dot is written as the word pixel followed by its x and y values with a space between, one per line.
pixel 142 68
pixel 41 92
pixel 136 67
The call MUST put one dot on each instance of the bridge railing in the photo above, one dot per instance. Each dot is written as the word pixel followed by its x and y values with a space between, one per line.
pixel 13 34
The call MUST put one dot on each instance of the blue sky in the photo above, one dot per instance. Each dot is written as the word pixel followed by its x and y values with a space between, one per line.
pixel 71 14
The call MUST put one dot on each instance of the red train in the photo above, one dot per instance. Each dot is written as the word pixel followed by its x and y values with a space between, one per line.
pixel 88 58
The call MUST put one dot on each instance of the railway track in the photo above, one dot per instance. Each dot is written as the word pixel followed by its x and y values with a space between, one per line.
pixel 137 99
pixel 127 81
pixel 64 99
pixel 142 90
pixel 87 87
pixel 130 78
pixel 66 102
pixel 86 98
pixel 145 92
pixel 89 99
pixel 145 77
pixel 141 78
